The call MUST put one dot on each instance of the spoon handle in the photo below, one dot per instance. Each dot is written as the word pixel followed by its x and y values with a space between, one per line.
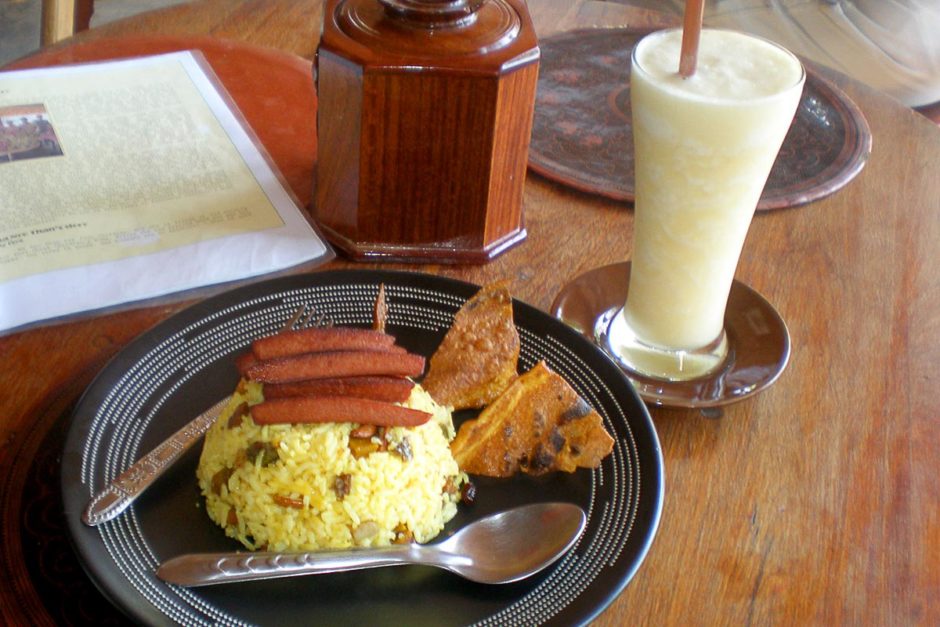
pixel 203 569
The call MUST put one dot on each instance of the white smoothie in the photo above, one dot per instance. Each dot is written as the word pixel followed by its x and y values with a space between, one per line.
pixel 704 147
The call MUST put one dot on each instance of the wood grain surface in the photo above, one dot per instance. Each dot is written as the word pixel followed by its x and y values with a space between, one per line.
pixel 815 502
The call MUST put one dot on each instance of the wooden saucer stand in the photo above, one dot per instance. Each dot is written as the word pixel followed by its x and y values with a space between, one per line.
pixel 425 112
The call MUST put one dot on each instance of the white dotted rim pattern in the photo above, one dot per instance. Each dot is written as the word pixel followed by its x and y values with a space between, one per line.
pixel 624 495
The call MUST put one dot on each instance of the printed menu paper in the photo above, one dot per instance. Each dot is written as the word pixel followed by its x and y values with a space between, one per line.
pixel 126 180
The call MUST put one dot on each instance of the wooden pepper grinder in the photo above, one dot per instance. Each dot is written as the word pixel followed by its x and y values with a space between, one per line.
pixel 424 117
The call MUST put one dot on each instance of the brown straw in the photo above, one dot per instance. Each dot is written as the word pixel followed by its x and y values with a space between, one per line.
pixel 691 31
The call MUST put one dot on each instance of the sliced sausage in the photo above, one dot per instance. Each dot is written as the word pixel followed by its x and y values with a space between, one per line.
pixel 307 409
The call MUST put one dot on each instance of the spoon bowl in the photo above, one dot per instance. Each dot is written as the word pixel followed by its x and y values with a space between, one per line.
pixel 501 548
pixel 511 545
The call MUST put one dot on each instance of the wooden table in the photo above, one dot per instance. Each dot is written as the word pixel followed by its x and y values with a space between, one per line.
pixel 817 501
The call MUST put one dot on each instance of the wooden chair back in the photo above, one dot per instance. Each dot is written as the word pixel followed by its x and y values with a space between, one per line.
pixel 64 18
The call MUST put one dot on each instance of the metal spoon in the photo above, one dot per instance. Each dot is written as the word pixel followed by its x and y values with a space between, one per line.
pixel 500 548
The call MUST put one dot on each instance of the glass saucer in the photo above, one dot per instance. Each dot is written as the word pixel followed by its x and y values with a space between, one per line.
pixel 758 351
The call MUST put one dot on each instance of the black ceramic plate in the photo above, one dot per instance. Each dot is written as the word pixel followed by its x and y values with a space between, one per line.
pixel 184 365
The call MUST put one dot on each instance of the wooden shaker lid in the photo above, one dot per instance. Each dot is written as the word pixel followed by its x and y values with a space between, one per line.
pixel 463 35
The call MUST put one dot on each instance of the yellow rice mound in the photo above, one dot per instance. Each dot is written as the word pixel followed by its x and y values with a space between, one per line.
pixel 274 487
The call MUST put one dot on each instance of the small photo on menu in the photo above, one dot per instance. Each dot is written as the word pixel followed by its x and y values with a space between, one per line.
pixel 27 133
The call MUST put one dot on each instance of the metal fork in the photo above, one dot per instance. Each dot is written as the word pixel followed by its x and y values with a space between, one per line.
pixel 307 316
pixel 126 487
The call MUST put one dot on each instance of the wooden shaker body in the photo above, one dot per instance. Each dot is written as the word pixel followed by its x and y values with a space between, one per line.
pixel 423 133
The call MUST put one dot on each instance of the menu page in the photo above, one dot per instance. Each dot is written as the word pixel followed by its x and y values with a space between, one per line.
pixel 131 179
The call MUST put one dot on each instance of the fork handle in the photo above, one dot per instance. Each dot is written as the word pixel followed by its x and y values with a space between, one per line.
pixel 126 487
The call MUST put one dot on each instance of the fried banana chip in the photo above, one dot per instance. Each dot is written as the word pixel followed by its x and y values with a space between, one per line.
pixel 380 310
pixel 479 356
pixel 538 425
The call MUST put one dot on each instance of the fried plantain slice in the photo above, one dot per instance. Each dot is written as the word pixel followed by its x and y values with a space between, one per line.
pixel 478 357
pixel 538 425
pixel 380 310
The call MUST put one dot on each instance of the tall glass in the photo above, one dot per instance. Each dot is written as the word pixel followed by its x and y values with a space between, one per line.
pixel 703 148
